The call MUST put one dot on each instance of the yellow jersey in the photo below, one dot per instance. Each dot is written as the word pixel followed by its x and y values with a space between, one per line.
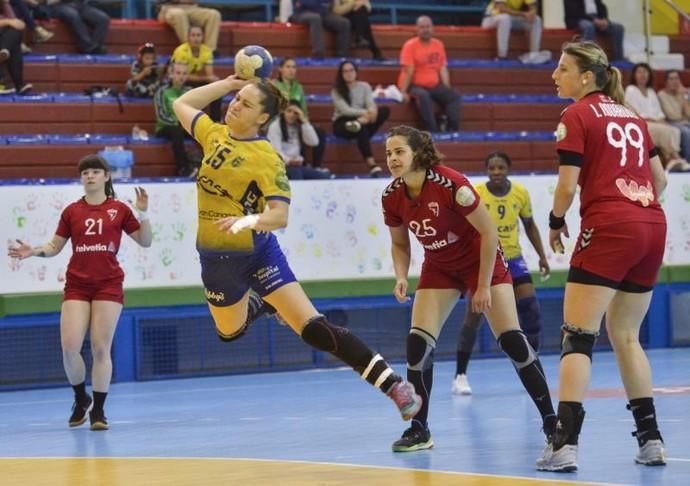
pixel 195 64
pixel 512 4
pixel 236 178
pixel 506 212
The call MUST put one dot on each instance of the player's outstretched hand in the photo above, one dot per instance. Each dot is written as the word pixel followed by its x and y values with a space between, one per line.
pixel 21 251
pixel 142 202
pixel 555 238
pixel 400 291
pixel 481 300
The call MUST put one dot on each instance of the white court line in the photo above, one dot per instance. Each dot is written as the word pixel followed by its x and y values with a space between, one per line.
pixel 677 459
pixel 320 463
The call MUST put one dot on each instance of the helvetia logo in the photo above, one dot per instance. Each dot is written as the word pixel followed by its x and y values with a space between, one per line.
pixel 90 248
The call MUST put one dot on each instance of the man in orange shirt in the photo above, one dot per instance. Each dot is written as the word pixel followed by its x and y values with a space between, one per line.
pixel 424 76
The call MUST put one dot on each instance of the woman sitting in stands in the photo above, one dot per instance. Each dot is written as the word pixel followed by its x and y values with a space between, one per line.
pixel 356 115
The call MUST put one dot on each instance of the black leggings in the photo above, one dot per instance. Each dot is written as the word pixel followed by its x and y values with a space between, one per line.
pixel 364 135
pixel 11 39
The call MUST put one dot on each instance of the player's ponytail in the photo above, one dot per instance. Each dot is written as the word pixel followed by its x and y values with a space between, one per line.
pixel 274 101
pixel 614 85
pixel 421 143
pixel 94 161
pixel 590 57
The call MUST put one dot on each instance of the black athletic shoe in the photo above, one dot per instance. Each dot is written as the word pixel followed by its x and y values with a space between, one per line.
pixel 79 411
pixel 413 439
pixel 98 420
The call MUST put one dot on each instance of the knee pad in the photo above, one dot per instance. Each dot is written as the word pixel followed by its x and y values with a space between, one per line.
pixel 226 338
pixel 577 341
pixel 320 334
pixel 530 318
pixel 420 350
pixel 515 345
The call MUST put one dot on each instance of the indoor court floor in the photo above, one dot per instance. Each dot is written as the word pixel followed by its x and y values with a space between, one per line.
pixel 328 427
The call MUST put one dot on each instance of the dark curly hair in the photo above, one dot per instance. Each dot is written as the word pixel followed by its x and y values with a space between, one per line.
pixel 422 145
pixel 498 155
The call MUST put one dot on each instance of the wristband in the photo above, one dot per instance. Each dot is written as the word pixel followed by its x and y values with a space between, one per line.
pixel 556 223
pixel 245 222
pixel 143 216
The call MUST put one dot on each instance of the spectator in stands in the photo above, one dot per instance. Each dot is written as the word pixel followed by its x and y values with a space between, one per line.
pixel 11 31
pixel 199 60
pixel 356 114
pixel 78 16
pixel 590 17
pixel 182 14
pixel 317 14
pixel 22 9
pixel 357 12
pixel 506 15
pixel 424 76
pixel 676 106
pixel 167 124
pixel 289 133
pixel 642 98
pixel 292 90
pixel 145 74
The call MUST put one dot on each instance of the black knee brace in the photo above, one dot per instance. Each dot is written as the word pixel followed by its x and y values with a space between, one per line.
pixel 320 334
pixel 515 345
pixel 577 341
pixel 420 349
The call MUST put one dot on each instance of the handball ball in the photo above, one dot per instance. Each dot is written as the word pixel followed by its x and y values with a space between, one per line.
pixel 253 62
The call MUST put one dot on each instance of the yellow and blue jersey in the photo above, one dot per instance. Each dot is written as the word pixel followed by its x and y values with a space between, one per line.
pixel 236 178
pixel 506 211
pixel 492 9
pixel 195 64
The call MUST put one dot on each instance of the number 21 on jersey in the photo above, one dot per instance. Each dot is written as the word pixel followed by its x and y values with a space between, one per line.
pixel 94 226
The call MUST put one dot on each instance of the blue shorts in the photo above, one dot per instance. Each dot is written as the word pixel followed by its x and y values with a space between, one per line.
pixel 227 278
pixel 519 271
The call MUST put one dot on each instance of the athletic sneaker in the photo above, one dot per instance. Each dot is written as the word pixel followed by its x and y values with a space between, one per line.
pixel 461 386
pixel 98 420
pixel 562 460
pixel 413 439
pixel 4 55
pixel 42 35
pixel 652 453
pixel 406 398
pixel 79 411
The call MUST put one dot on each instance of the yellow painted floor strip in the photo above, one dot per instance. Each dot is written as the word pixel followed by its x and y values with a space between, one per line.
pixel 209 472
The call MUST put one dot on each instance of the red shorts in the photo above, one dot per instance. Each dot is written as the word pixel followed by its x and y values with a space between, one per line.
pixel 436 277
pixel 108 290
pixel 624 256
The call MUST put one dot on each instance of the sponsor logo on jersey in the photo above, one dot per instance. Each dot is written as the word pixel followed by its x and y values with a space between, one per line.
pixel 214 296
pixel 83 248
pixel 561 132
pixel 111 247
pixel 465 196
pixel 436 245
pixel 112 213
pixel 635 192
pixel 433 207
pixel 452 237
pixel 211 214
pixel 210 186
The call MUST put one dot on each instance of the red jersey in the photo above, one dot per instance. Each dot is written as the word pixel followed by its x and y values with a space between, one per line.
pixel 437 217
pixel 612 146
pixel 95 231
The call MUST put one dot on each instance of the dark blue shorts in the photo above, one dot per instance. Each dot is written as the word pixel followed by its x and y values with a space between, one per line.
pixel 519 271
pixel 227 278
